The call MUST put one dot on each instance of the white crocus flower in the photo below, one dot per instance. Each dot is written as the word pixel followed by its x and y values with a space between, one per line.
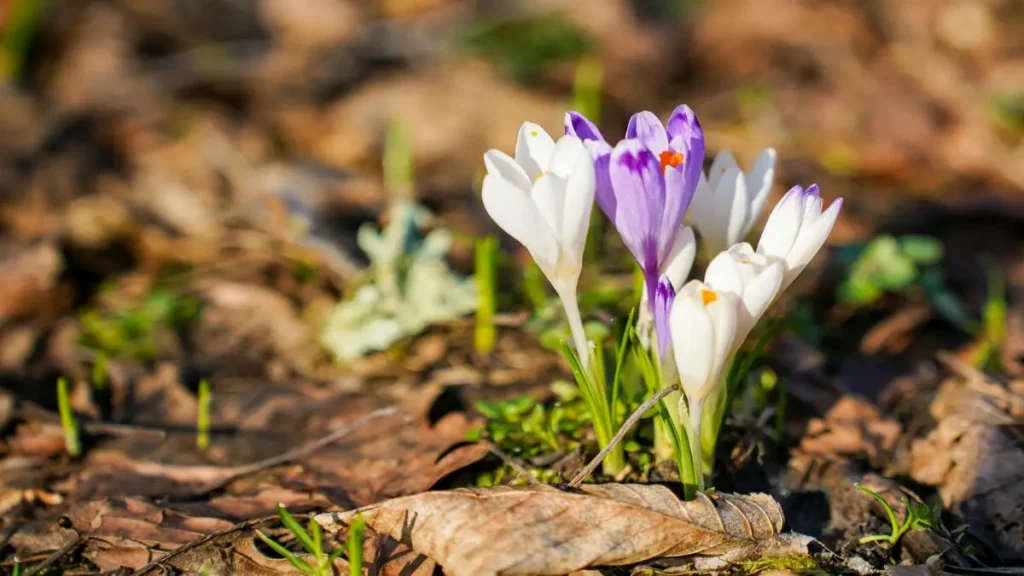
pixel 755 279
pixel 543 198
pixel 727 203
pixel 797 229
pixel 703 326
pixel 677 267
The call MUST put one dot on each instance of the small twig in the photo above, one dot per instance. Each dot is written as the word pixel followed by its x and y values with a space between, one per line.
pixel 301 451
pixel 53 558
pixel 520 470
pixel 200 541
pixel 623 430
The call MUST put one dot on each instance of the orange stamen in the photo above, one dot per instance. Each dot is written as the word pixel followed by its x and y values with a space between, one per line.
pixel 708 296
pixel 670 158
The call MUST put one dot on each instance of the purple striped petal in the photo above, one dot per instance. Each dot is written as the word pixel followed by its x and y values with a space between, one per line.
pixel 639 190
pixel 664 296
pixel 645 127
pixel 601 152
pixel 678 195
pixel 579 126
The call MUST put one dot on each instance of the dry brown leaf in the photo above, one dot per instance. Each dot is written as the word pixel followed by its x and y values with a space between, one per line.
pixel 542 530
pixel 852 428
pixel 974 457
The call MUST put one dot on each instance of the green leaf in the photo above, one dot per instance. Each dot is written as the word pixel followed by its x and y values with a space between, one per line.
pixel 922 249
pixel 490 410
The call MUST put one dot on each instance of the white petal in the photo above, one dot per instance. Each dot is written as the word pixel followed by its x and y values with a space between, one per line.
pixel 500 164
pixel 548 194
pixel 759 185
pixel 723 314
pixel 721 164
pixel 533 149
pixel 564 155
pixel 693 344
pixel 723 274
pixel 579 201
pixel 514 212
pixel 783 224
pixel 812 237
pixel 680 257
pixel 730 209
pixel 701 207
pixel 758 295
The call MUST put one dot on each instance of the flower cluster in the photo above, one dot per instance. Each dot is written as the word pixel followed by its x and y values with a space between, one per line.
pixel 647 184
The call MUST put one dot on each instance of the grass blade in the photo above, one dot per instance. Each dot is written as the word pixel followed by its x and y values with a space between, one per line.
pixel 299 564
pixel 67 419
pixel 356 532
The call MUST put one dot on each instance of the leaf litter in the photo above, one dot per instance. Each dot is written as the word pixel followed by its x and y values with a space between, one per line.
pixel 466 531
pixel 140 168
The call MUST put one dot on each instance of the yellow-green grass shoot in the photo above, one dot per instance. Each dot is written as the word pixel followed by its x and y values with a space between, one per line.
pixel 486 253
pixel 203 416
pixel 67 419
pixel 356 531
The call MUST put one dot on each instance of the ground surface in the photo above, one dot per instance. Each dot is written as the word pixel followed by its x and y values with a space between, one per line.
pixel 180 190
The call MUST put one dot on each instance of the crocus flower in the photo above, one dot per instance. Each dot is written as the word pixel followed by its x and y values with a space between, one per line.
pixel 675 270
pixel 653 174
pixel 543 199
pixel 703 326
pixel 797 229
pixel 664 297
pixel 727 202
pixel 754 279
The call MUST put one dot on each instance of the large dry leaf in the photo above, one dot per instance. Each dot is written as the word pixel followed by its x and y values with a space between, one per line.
pixel 542 530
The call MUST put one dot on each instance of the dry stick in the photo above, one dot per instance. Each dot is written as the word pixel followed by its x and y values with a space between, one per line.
pixel 520 471
pixel 200 541
pixel 623 430
pixel 53 558
pixel 301 451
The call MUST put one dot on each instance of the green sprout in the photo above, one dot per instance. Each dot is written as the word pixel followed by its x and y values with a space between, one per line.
pixel 525 48
pixel 23 21
pixel 993 318
pixel 586 97
pixel 398 161
pixel 355 545
pixel 132 331
pixel 203 416
pixel 888 264
pixel 312 540
pixel 486 254
pixel 918 517
pixel 603 397
pixel 67 419
pixel 100 372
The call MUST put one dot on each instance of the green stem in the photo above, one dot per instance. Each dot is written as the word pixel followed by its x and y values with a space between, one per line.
pixel 694 435
pixel 579 336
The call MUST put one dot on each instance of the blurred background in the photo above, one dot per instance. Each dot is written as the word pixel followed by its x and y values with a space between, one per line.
pixel 216 191
pixel 139 137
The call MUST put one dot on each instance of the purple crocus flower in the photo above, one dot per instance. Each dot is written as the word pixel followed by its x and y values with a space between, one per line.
pixel 654 174
pixel 664 295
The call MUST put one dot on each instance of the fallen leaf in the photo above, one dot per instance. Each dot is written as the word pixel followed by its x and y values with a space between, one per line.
pixel 974 457
pixel 542 530
pixel 852 428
